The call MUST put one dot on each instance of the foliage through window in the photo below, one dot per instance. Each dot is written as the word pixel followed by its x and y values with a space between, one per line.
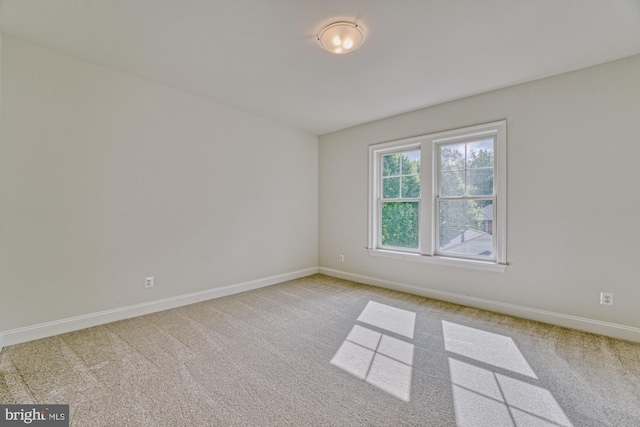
pixel 441 195
pixel 400 201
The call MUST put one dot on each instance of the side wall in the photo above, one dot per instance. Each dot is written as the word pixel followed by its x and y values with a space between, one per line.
pixel 1 245
pixel 106 178
pixel 573 200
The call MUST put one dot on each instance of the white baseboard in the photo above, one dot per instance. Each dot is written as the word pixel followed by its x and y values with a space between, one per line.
pixel 574 322
pixel 48 329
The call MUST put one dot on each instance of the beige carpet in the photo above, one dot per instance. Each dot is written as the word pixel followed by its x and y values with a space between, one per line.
pixel 321 351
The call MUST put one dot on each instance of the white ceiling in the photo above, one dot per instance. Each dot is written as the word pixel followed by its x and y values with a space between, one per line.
pixel 261 56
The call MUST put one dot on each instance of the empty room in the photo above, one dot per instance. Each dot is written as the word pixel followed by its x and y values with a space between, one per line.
pixel 320 213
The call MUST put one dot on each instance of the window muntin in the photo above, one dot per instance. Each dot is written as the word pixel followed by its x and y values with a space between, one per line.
pixel 465 198
pixel 459 211
pixel 399 203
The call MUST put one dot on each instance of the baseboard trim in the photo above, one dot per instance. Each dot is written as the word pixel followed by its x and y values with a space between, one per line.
pixel 43 330
pixel 574 322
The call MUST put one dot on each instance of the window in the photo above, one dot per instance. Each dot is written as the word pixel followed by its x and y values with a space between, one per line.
pixel 441 197
pixel 399 203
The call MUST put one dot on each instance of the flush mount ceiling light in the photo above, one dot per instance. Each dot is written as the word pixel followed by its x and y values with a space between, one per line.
pixel 341 37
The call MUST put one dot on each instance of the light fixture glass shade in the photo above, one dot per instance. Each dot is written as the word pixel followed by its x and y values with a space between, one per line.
pixel 341 37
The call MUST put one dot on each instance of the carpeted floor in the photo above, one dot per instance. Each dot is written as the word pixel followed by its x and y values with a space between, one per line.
pixel 320 351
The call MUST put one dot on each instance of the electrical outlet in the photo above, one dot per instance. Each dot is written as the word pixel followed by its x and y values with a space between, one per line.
pixel 606 298
pixel 341 258
pixel 148 282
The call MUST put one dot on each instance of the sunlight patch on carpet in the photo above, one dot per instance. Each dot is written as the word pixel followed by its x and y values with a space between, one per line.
pixel 484 397
pixel 392 319
pixel 382 360
pixel 487 347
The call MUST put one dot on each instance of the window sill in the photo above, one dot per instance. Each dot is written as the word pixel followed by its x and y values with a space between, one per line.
pixel 439 260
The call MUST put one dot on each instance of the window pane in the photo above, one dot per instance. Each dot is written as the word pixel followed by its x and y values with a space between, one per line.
pixel 480 182
pixel 466 227
pixel 452 157
pixel 411 162
pixel 400 224
pixel 411 186
pixel 391 165
pixel 480 154
pixel 452 183
pixel 390 188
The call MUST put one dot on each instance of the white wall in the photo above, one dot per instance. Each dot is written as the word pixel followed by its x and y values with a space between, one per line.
pixel 106 178
pixel 2 286
pixel 573 198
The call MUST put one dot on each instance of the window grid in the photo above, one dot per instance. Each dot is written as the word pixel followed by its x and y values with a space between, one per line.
pixel 479 181
pixel 441 200
pixel 401 202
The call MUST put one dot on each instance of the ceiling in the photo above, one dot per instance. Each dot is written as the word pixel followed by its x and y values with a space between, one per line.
pixel 262 56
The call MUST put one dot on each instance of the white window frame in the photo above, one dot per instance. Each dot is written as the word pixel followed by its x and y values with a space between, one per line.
pixel 379 200
pixel 429 145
